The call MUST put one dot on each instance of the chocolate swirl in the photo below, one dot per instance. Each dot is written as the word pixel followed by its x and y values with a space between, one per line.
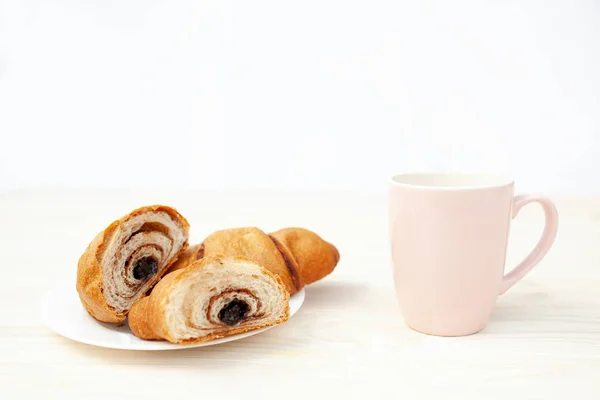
pixel 128 258
pixel 213 297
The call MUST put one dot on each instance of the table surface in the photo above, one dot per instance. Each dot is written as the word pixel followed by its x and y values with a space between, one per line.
pixel 348 339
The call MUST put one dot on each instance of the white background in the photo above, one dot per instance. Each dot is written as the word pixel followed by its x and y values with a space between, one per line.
pixel 309 94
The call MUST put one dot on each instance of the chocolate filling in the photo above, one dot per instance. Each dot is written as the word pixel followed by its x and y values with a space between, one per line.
pixel 234 312
pixel 225 293
pixel 145 267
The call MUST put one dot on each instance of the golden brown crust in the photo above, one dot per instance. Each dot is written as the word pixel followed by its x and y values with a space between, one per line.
pixel 248 243
pixel 146 318
pixel 138 321
pixel 89 271
pixel 298 256
pixel 89 280
pixel 251 244
pixel 314 257
pixel 186 258
pixel 290 263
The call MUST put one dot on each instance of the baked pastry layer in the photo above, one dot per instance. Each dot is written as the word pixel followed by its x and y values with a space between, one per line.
pixel 126 260
pixel 297 255
pixel 212 298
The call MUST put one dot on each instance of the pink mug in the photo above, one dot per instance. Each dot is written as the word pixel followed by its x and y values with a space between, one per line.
pixel 449 233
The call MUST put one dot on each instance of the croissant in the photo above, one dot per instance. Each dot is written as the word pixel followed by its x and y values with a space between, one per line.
pixel 126 260
pixel 214 297
pixel 299 256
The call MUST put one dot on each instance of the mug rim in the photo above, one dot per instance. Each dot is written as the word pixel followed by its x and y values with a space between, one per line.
pixel 451 180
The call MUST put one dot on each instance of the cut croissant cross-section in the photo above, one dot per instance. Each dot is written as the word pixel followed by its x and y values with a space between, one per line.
pixel 214 297
pixel 297 255
pixel 128 258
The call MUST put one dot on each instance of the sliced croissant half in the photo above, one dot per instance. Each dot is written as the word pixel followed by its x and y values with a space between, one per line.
pixel 126 260
pixel 212 298
pixel 297 255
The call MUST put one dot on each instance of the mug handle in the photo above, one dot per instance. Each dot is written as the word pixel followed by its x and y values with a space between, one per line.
pixel 544 244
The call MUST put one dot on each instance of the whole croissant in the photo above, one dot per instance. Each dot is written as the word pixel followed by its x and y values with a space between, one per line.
pixel 298 256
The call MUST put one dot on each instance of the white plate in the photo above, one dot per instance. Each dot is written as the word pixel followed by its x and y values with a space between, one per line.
pixel 63 313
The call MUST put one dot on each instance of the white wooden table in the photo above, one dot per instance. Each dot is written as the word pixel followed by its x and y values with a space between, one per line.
pixel 347 340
